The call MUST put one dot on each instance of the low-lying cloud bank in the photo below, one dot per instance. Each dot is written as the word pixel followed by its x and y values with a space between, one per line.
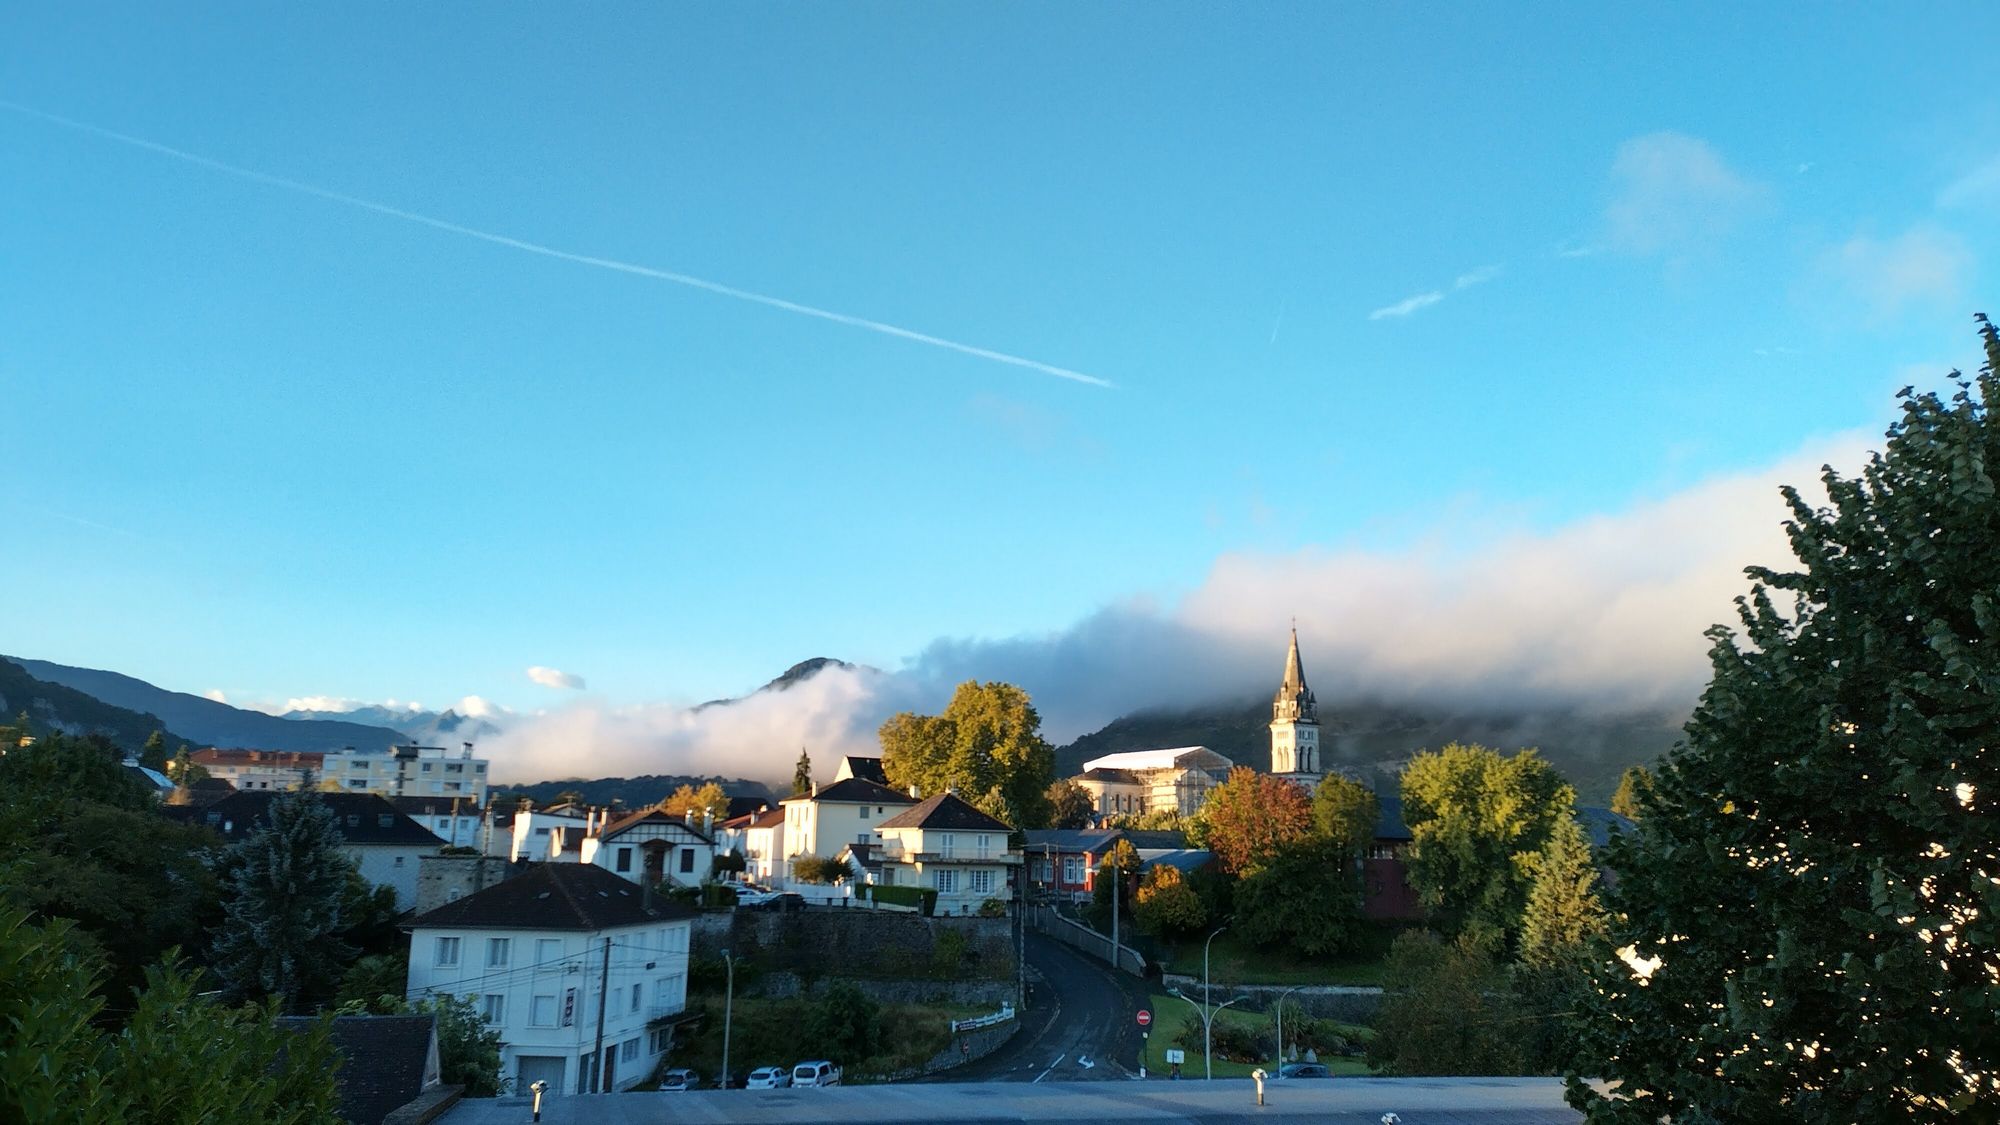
pixel 1605 614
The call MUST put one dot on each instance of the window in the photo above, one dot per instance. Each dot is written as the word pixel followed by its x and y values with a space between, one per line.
pixel 687 860
pixel 357 784
pixel 982 882
pixel 888 876
pixel 624 859
pixel 1072 869
pixel 1042 870
pixel 944 841
pixel 454 767
pixel 862 812
pixel 546 950
pixel 638 996
pixel 947 882
pixel 446 956
pixel 494 1007
pixel 670 992
pixel 985 847
pixel 542 1011
pixel 629 1050
pixel 427 767
pixel 659 1040
pixel 498 951
pixel 399 861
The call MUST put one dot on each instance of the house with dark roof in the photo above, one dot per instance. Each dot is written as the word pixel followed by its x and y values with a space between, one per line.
pixel 1062 862
pixel 865 768
pixel 946 844
pixel 532 950
pixel 386 1062
pixel 650 847
pixel 458 821
pixel 830 817
pixel 384 844
pixel 758 837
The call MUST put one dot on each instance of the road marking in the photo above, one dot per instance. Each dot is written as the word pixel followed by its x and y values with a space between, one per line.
pixel 1052 1066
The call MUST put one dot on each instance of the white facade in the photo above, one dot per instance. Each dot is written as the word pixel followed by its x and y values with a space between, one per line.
pixel 409 771
pixel 651 847
pixel 391 865
pixel 534 828
pixel 823 823
pixel 1176 779
pixel 965 867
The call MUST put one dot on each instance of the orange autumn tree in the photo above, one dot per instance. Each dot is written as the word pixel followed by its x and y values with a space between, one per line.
pixel 1251 816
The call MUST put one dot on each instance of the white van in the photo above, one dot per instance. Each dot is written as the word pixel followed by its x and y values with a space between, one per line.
pixel 809 1074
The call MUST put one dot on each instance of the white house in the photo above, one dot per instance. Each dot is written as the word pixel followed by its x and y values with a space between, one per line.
pixel 532 950
pixel 384 844
pixel 825 821
pixel 946 844
pixel 759 838
pixel 533 829
pixel 651 846
pixel 457 821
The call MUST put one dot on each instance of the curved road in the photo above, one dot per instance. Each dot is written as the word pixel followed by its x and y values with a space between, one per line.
pixel 1079 1025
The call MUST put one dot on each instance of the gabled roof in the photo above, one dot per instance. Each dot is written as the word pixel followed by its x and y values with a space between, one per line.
pixel 857 791
pixel 554 896
pixel 946 811
pixel 654 815
pixel 769 818
pixel 360 818
pixel 386 1061
pixel 865 768
pixel 1169 758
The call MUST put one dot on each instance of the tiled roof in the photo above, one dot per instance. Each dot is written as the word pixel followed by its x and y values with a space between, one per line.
pixel 286 759
pixel 770 818
pixel 385 1061
pixel 361 818
pixel 867 769
pixel 554 896
pixel 945 811
pixel 858 791
pixel 1070 839
pixel 648 816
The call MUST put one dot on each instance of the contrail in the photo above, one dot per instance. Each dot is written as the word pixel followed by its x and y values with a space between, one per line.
pixel 612 264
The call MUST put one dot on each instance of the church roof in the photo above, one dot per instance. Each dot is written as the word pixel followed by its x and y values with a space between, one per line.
pixel 1156 759
pixel 1294 699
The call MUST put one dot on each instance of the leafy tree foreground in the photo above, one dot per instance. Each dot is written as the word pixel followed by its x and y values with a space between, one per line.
pixel 1809 910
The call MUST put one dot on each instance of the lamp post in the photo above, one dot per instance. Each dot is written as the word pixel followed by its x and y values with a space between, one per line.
pixel 1280 1072
pixel 1204 960
pixel 728 1010
pixel 1208 1032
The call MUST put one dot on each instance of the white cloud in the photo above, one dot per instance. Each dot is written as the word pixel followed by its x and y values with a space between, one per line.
pixel 1425 300
pixel 216 694
pixel 1925 265
pixel 1979 185
pixel 550 677
pixel 314 703
pixel 1407 305
pixel 477 707
pixel 1671 194
pixel 1606 613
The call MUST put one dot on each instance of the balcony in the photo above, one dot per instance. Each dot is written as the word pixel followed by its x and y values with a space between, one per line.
pixel 895 853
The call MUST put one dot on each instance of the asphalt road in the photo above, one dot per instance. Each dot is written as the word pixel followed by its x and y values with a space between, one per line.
pixel 1079 1026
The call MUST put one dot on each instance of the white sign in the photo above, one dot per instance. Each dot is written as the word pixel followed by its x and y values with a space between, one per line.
pixel 1176 1055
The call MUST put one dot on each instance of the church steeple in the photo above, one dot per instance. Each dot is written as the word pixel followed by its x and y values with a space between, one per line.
pixel 1294 700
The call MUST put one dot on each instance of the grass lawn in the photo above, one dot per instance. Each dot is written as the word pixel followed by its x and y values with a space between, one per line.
pixel 1171 1014
pixel 1239 962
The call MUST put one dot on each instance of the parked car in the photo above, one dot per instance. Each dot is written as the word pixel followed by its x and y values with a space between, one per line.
pixel 820 1073
pixel 753 896
pixel 1304 1070
pixel 680 1078
pixel 784 900
pixel 768 1078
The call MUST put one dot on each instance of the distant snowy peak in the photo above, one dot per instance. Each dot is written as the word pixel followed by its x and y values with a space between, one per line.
pixel 425 728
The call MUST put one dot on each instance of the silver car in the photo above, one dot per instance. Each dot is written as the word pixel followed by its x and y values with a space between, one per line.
pixel 769 1078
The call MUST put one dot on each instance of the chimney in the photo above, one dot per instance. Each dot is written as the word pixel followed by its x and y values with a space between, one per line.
pixel 913 792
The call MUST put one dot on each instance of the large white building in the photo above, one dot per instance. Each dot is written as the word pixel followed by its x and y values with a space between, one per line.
pixel 409 771
pixel 824 822
pixel 1143 781
pixel 946 844
pixel 532 951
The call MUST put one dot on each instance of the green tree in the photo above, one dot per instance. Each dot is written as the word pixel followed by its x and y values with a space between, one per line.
pixel 846 1023
pixel 987 745
pixel 1116 873
pixel 1563 913
pixel 374 985
pixel 1477 820
pixel 1344 811
pixel 821 869
pixel 1807 911
pixel 153 755
pixel 1445 1010
pixel 802 775
pixel 1635 785
pixel 184 771
pixel 1165 905
pixel 1070 805
pixel 1302 897
pixel 281 930
pixel 1250 816
pixel 468 1047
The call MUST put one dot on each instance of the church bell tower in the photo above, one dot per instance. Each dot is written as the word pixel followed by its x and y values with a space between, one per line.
pixel 1295 724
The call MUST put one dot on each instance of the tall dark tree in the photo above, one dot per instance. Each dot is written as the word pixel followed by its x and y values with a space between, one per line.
pixel 802 774
pixel 1070 805
pixel 1808 909
pixel 282 914
pixel 153 755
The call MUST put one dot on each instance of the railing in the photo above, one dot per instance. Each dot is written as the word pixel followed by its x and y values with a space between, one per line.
pixel 1005 1013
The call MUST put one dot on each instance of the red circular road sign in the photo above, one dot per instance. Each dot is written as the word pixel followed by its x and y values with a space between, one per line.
pixel 1145 1017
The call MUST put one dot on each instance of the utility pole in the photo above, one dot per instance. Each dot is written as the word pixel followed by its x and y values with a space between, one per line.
pixel 603 994
pixel 1117 892
pixel 728 1010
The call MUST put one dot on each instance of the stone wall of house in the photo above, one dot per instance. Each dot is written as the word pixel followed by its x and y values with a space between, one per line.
pixel 442 878
pixel 861 944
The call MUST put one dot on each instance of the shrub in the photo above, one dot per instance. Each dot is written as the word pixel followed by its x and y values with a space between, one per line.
pixel 993 908
pixel 924 898
pixel 847 1022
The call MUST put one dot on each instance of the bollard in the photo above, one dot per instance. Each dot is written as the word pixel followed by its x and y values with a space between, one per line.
pixel 538 1087
pixel 1258 1074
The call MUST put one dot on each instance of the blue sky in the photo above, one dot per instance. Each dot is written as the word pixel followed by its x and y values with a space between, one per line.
pixel 277 445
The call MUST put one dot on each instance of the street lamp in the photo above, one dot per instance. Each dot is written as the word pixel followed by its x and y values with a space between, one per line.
pixel 1204 959
pixel 728 1009
pixel 1208 1031
pixel 1280 1072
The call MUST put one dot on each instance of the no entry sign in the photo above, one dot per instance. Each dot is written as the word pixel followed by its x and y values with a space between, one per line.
pixel 1145 1017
